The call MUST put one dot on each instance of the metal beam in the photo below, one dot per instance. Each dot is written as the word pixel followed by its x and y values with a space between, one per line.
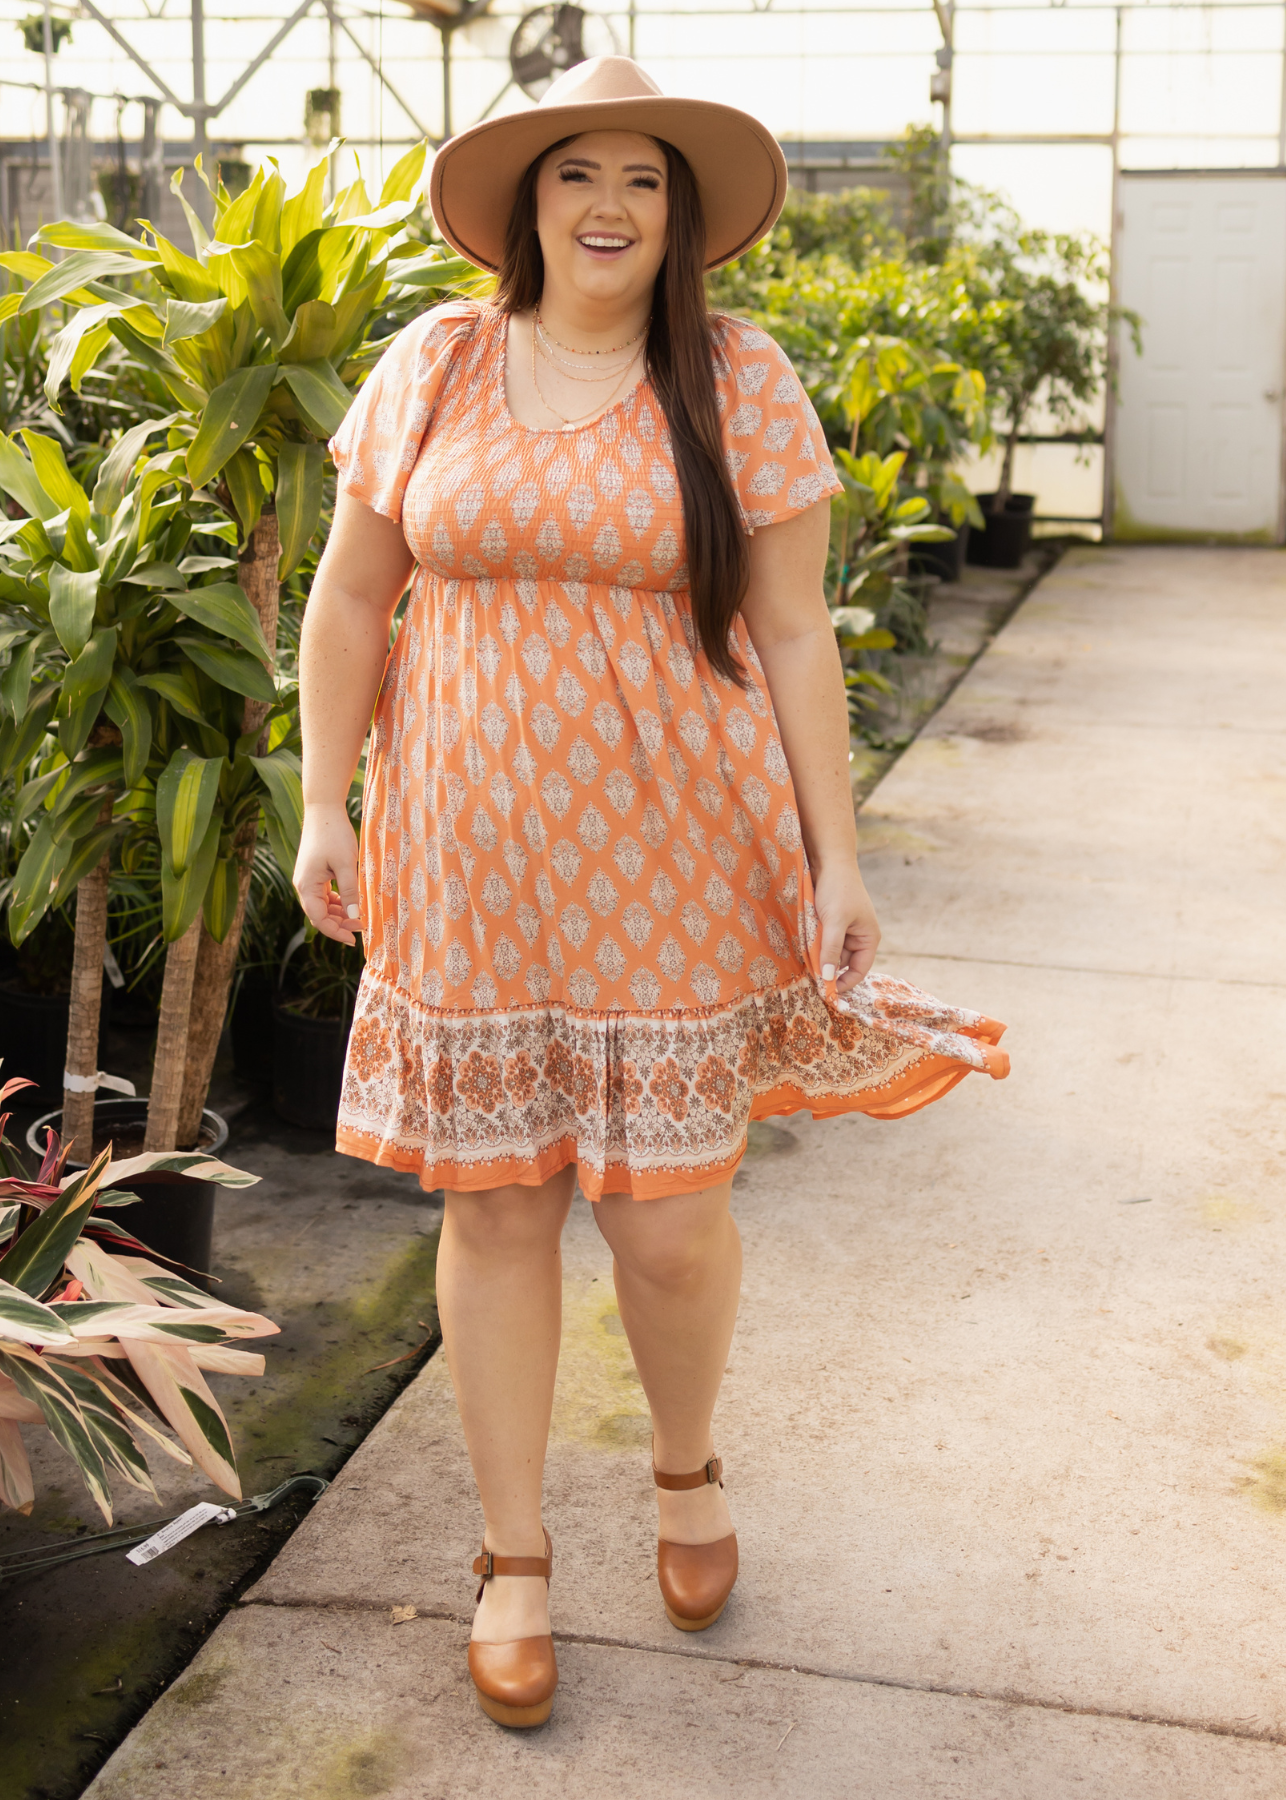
pixel 252 68
pixel 364 52
pixel 55 167
pixel 162 88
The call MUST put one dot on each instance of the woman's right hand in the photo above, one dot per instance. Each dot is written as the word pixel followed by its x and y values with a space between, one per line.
pixel 326 872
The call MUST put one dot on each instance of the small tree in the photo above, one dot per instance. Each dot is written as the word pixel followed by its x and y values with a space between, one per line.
pixel 256 339
pixel 128 676
pixel 1052 314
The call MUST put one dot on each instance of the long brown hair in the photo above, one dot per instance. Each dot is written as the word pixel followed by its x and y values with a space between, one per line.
pixel 680 363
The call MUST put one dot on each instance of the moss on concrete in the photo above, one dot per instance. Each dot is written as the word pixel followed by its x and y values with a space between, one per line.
pixel 89 1647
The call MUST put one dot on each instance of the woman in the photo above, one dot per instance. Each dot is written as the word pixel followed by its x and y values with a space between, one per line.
pixel 608 878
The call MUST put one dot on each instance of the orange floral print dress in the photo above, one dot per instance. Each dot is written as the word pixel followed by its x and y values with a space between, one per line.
pixel 588 917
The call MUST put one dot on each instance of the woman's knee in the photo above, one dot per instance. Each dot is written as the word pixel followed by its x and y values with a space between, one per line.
pixel 510 1221
pixel 674 1253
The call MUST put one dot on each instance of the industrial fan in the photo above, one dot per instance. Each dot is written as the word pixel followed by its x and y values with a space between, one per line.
pixel 551 39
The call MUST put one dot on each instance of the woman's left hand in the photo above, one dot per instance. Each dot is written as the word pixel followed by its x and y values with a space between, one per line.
pixel 850 930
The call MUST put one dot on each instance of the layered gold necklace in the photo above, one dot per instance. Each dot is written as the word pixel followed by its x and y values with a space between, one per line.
pixel 543 339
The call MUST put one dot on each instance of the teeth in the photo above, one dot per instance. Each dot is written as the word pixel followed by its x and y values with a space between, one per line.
pixel 606 243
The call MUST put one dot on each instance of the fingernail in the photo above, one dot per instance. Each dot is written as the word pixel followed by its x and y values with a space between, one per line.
pixel 353 911
pixel 828 971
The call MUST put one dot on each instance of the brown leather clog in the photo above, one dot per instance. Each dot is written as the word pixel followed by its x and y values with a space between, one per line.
pixel 515 1681
pixel 696 1579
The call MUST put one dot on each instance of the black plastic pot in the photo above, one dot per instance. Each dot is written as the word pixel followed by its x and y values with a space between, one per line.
pixel 253 1028
pixel 175 1213
pixel 1006 536
pixel 33 1036
pixel 308 1067
pixel 945 560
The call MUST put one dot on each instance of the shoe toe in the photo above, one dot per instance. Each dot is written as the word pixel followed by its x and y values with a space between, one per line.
pixel 520 1674
pixel 696 1579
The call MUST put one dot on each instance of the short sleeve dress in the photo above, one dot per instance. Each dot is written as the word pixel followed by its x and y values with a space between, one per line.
pixel 587 911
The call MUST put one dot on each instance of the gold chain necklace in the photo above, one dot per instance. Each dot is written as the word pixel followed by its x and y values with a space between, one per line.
pixel 571 348
pixel 579 418
pixel 574 372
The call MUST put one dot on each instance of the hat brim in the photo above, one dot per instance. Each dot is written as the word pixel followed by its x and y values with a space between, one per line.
pixel 738 164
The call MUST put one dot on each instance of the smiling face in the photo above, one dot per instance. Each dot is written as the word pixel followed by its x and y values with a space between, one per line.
pixel 602 215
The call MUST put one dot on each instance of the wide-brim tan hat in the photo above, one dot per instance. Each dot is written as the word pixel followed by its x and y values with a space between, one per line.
pixel 738 164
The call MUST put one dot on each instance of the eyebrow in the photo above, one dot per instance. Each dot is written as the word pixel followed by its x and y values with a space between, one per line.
pixel 583 162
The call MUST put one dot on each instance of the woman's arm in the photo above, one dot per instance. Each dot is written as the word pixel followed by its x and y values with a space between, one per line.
pixel 342 654
pixel 790 627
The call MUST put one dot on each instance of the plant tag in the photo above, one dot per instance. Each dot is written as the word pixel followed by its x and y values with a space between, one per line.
pixel 177 1529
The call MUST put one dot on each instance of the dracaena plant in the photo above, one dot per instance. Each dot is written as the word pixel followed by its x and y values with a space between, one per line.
pixel 258 336
pixel 131 669
pixel 257 339
pixel 95 1336
pixel 872 524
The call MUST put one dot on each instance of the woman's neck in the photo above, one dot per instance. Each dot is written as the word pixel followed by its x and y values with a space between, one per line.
pixel 589 325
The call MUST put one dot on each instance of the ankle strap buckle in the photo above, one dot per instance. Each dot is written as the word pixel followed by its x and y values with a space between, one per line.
pixel 484 1565
pixel 714 1470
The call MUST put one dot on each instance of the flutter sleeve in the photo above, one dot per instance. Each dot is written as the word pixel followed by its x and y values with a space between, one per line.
pixel 376 447
pixel 772 437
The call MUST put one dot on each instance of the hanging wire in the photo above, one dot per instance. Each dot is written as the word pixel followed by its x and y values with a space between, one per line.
pixel 39 1557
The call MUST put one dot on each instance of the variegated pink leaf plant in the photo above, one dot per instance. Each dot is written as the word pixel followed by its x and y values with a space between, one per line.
pixel 94 1335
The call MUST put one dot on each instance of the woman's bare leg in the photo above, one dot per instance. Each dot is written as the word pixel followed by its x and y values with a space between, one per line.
pixel 677 1264
pixel 500 1290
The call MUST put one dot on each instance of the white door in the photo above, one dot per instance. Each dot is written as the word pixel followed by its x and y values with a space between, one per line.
pixel 1197 427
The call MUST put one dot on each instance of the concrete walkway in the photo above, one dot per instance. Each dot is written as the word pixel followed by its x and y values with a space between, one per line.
pixel 1005 1423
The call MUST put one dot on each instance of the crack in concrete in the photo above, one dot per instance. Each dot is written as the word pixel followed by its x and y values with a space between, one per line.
pixel 902 1684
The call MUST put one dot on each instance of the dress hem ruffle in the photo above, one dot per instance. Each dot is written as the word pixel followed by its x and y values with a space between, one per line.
pixel 908 1091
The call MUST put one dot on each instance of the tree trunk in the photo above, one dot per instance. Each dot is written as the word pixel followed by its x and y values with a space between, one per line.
pixel 86 999
pixel 171 1040
pixel 216 963
pixel 216 966
pixel 1006 482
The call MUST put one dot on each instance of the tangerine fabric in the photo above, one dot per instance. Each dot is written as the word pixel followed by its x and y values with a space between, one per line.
pixel 588 917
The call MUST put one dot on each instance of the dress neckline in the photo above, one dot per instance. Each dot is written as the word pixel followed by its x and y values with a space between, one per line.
pixel 560 431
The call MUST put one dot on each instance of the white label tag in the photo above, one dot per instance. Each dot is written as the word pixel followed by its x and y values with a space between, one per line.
pixel 177 1529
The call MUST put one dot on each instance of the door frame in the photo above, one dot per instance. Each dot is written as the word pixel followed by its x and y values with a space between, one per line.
pixel 1116 350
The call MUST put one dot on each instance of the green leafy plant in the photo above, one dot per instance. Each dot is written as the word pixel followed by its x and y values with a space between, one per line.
pixel 33 33
pixel 255 340
pixel 130 670
pixel 95 1337
pixel 872 524
pixel 1050 298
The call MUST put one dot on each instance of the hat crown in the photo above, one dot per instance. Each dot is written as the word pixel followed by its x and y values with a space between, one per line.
pixel 600 78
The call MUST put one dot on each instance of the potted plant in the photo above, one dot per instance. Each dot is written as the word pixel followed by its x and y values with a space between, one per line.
pixel 872 526
pixel 95 1336
pixel 257 339
pixel 950 504
pixel 129 673
pixel 1052 312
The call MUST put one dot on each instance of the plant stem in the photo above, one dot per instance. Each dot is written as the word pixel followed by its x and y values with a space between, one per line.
pixel 171 1040
pixel 86 996
pixel 1006 472
pixel 85 1006
pixel 216 965
pixel 217 962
